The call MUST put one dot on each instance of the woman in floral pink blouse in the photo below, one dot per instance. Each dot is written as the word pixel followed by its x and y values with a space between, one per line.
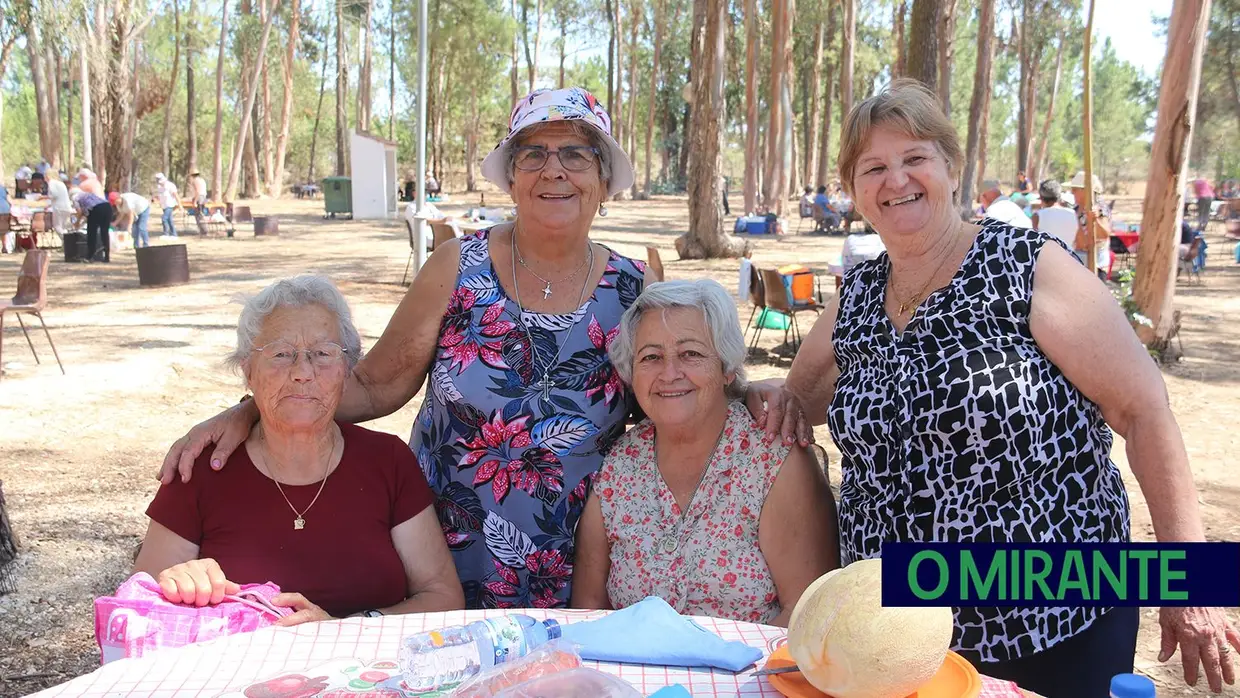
pixel 695 504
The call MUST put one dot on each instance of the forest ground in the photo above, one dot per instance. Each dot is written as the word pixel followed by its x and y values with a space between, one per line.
pixel 79 452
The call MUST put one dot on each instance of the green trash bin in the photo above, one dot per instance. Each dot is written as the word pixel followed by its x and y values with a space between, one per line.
pixel 337 196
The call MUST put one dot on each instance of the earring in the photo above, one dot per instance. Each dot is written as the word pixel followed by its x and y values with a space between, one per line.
pixel 602 210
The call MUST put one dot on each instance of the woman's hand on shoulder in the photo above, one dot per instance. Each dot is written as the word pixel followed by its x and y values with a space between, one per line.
pixel 198 582
pixel 227 430
pixel 303 610
pixel 778 411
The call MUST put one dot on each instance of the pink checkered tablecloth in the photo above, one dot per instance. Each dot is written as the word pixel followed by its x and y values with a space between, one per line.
pixel 356 657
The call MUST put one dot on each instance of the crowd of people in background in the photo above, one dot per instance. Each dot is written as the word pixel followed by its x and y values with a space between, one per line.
pixel 80 202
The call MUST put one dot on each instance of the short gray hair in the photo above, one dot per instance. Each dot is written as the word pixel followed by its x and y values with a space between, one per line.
pixel 718 309
pixel 587 133
pixel 297 291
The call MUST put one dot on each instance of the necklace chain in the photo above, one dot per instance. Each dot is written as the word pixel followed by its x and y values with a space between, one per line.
pixel 299 522
pixel 671 542
pixel 545 384
pixel 911 302
pixel 547 283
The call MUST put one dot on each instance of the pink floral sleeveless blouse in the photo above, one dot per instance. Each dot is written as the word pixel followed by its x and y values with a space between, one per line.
pixel 709 564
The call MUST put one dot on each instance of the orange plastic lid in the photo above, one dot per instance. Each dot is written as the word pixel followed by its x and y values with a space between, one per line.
pixel 957 678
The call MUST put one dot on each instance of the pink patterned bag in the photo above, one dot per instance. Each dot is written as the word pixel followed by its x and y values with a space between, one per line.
pixel 138 620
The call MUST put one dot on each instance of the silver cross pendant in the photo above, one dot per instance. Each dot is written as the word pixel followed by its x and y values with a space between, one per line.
pixel 545 385
pixel 547 291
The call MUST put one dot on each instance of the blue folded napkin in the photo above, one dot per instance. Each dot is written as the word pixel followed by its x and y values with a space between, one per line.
pixel 673 691
pixel 652 632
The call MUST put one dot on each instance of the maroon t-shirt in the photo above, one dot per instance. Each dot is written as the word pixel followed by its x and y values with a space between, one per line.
pixel 343 560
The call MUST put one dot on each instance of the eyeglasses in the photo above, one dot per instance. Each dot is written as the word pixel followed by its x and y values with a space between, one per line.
pixel 281 354
pixel 574 158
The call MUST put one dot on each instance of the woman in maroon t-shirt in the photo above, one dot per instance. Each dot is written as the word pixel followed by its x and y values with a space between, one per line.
pixel 337 516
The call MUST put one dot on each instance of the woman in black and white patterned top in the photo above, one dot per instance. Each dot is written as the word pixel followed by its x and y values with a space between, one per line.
pixel 964 393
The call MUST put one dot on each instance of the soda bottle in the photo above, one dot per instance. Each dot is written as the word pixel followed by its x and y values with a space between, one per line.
pixel 439 658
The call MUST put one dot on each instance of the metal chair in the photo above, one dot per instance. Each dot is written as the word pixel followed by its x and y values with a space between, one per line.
pixel 31 299
pixel 778 298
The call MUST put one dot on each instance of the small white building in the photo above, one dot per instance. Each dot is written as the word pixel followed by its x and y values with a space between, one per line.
pixel 373 171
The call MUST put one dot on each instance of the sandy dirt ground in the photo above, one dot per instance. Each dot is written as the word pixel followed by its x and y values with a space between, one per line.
pixel 78 452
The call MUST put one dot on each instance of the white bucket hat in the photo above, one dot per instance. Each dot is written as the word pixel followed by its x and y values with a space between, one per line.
pixel 1078 182
pixel 569 104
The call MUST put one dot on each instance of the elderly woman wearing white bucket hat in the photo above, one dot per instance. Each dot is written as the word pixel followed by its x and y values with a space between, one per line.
pixel 510 326
pixel 1101 214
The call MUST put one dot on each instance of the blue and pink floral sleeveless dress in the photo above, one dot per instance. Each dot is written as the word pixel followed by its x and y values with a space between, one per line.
pixel 510 468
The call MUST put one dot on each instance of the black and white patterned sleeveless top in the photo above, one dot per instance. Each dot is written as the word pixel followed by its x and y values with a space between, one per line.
pixel 960 429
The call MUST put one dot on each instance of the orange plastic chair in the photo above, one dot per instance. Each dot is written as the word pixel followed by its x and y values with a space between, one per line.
pixel 31 299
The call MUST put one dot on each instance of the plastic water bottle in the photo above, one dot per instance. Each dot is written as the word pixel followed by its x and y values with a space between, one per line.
pixel 1131 686
pixel 445 657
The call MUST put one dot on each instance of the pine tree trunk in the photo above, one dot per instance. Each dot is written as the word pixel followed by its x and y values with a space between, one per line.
pixel 751 106
pixel 471 139
pixel 846 57
pixel 166 140
pixel 120 101
pixel 5 51
pixel 772 187
pixel 51 73
pixel 947 32
pixel 634 13
pixel 659 18
pixel 318 113
pixel 191 100
pixel 901 13
pixel 923 43
pixel 706 238
pixel 513 74
pixel 1039 164
pixel 342 94
pixel 814 95
pixel 1024 109
pixel 71 158
pixel 34 53
pixel 131 129
pixel 276 185
pixel 234 171
pixel 217 161
pixel 1154 286
pixel 364 92
pixel 618 124
pixel 563 46
pixel 100 68
pixel 824 143
pixel 975 140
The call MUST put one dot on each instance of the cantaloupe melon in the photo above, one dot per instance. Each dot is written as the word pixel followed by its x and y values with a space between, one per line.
pixel 848 646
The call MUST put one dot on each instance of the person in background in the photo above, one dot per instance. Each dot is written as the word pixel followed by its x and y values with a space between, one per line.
pixel 137 212
pixel 863 246
pixel 6 242
pixel 1205 201
pixel 198 188
pixel 1022 183
pixel 169 201
pixel 62 205
pixel 806 205
pixel 824 212
pixel 98 215
pixel 23 173
pixel 1000 207
pixel 1100 216
pixel 1054 218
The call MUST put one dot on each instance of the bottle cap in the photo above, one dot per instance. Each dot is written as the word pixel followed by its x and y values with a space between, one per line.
pixel 1131 686
pixel 553 628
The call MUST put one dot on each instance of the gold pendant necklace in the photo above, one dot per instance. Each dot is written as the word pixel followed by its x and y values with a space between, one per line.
pixel 299 522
